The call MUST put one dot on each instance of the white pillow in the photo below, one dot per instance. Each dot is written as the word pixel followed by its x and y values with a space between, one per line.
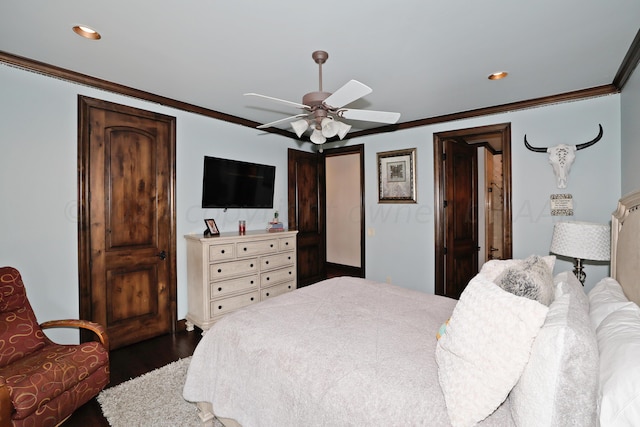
pixel 493 268
pixel 606 297
pixel 619 343
pixel 559 385
pixel 485 349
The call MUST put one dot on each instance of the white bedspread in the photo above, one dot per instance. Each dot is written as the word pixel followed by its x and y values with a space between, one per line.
pixel 343 352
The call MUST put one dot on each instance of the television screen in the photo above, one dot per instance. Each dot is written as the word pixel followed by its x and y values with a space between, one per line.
pixel 237 184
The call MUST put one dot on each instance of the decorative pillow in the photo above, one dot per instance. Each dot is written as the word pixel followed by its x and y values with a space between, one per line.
pixel 605 298
pixel 532 278
pixel 493 268
pixel 619 343
pixel 485 349
pixel 559 384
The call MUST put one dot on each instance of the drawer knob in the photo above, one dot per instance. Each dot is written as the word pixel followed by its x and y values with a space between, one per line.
pixel 286 243
pixel 268 279
pixel 266 262
pixel 289 286
pixel 251 298
pixel 252 282
pixel 267 293
pixel 219 289
pixel 271 245
pixel 244 249
pixel 219 307
pixel 222 251
pixel 289 257
pixel 290 273
pixel 219 270
pixel 251 265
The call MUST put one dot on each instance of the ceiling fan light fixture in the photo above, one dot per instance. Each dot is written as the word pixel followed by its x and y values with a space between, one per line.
pixel 317 137
pixel 330 127
pixel 343 129
pixel 300 126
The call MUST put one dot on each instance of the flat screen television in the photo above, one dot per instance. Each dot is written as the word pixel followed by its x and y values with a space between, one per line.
pixel 236 184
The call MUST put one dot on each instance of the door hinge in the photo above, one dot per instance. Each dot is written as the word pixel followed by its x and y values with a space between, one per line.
pixel 444 204
pixel 444 156
pixel 445 251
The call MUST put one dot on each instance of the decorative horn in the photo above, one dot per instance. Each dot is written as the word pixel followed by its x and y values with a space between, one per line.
pixel 536 149
pixel 590 143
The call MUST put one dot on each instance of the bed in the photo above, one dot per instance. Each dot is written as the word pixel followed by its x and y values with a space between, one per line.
pixel 354 352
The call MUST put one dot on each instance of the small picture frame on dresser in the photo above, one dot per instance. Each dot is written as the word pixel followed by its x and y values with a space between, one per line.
pixel 212 228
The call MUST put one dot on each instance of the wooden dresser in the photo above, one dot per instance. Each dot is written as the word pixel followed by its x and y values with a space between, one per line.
pixel 230 271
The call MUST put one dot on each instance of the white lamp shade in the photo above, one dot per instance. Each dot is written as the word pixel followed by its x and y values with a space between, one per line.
pixel 343 129
pixel 329 127
pixel 299 127
pixel 582 240
pixel 317 137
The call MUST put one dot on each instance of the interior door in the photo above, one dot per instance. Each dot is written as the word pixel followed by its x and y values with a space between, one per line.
pixel 306 214
pixel 461 215
pixel 127 220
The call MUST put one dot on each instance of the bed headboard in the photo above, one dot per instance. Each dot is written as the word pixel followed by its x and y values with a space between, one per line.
pixel 625 245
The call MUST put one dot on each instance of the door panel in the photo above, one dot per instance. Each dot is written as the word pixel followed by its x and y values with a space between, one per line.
pixel 306 214
pixel 127 220
pixel 461 216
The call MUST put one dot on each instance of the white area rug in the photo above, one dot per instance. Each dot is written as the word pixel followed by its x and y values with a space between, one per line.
pixel 153 399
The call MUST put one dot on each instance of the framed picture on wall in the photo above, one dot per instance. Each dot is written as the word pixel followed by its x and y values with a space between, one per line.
pixel 397 176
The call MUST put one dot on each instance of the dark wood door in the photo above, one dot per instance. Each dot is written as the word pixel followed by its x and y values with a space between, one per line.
pixel 306 214
pixel 127 220
pixel 461 215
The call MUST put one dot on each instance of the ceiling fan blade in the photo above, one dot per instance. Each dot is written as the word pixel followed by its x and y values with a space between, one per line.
pixel 283 101
pixel 347 94
pixel 370 115
pixel 267 125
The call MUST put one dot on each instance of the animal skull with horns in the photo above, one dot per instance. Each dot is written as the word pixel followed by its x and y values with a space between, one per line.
pixel 562 156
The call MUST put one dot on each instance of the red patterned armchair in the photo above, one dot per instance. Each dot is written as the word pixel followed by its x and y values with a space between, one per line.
pixel 41 382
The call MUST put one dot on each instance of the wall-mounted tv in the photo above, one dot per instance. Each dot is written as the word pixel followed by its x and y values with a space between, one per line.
pixel 236 184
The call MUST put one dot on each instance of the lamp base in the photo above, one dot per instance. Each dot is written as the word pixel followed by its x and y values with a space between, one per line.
pixel 579 272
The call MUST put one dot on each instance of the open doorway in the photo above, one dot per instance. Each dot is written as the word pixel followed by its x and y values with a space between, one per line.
pixel 465 210
pixel 344 206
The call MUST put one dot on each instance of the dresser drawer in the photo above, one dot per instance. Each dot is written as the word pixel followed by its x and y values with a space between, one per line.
pixel 276 290
pixel 287 243
pixel 225 287
pixel 277 276
pixel 258 247
pixel 275 261
pixel 222 252
pixel 225 305
pixel 232 268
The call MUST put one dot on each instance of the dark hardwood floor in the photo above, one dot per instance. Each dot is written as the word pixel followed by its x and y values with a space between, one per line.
pixel 135 360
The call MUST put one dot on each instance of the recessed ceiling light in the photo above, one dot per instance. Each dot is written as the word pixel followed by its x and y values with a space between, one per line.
pixel 498 75
pixel 86 32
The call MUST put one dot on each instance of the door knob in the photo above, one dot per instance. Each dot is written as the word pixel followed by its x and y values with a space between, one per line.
pixel 162 255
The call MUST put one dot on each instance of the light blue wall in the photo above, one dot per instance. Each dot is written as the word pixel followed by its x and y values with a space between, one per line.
pixel 402 248
pixel 38 184
pixel 630 164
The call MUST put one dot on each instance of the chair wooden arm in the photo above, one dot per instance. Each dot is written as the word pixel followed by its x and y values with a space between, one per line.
pixel 96 328
pixel 6 407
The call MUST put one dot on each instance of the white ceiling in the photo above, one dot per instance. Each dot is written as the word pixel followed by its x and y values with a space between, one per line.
pixel 423 58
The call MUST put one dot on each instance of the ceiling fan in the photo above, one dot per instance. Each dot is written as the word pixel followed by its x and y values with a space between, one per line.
pixel 323 109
